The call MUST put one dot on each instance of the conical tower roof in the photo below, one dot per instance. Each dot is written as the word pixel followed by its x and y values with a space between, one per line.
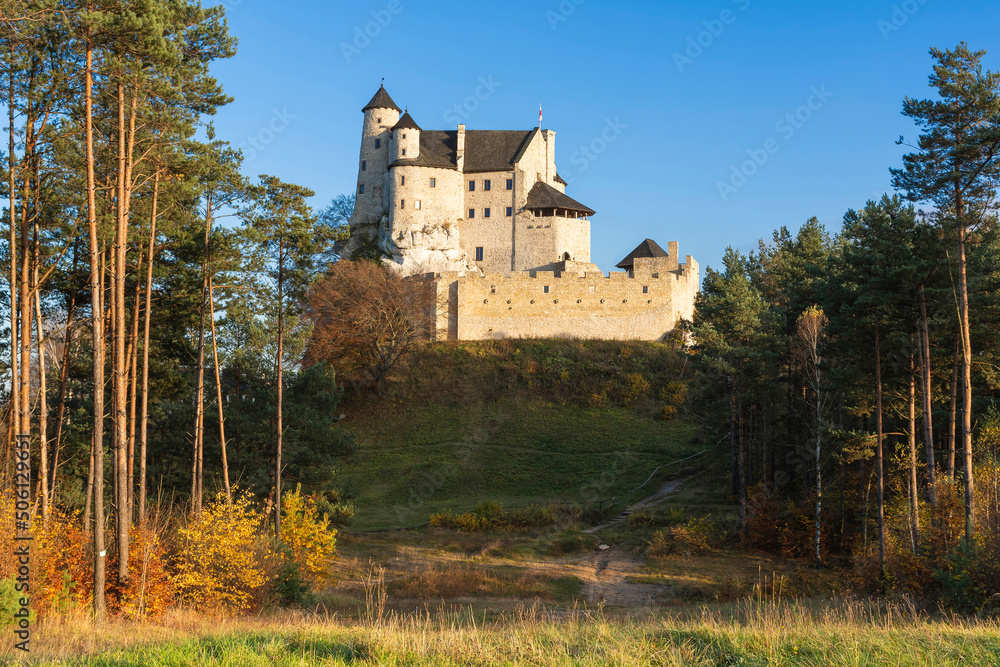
pixel 406 123
pixel 381 100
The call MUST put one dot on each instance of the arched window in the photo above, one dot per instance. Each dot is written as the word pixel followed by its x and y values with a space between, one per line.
pixel 566 256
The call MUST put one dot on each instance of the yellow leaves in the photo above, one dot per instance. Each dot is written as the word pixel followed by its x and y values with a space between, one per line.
pixel 218 565
pixel 308 535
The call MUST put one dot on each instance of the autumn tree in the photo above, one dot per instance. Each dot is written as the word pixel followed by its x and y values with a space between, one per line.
pixel 366 318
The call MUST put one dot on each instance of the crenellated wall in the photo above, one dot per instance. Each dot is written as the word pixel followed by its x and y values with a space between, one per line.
pixel 567 302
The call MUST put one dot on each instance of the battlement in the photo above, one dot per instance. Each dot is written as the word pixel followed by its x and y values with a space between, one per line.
pixel 570 301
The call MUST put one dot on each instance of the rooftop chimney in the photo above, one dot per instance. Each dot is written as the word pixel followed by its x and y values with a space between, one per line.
pixel 460 148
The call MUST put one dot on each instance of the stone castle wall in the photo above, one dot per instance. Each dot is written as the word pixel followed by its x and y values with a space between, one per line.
pixel 492 234
pixel 570 302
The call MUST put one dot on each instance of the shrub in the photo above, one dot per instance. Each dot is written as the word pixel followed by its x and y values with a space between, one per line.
pixel 290 587
pixel 696 535
pixel 490 515
pixel 217 563
pixel 311 543
pixel 61 569
pixel 149 589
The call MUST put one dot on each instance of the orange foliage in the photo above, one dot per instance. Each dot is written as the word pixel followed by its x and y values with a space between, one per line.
pixel 149 589
pixel 60 569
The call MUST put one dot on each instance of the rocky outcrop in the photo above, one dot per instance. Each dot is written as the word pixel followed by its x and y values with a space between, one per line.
pixel 434 248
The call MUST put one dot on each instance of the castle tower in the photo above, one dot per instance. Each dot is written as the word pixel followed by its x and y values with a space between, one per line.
pixel 381 114
pixel 405 139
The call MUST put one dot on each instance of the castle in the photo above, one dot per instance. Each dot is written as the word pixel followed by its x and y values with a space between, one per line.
pixel 484 216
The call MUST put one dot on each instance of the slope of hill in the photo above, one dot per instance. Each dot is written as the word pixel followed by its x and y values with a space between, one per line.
pixel 519 423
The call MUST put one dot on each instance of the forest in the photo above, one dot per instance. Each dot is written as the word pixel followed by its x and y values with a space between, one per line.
pixel 178 340
pixel 857 372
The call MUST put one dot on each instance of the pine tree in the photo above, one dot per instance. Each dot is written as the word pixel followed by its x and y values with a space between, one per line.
pixel 955 166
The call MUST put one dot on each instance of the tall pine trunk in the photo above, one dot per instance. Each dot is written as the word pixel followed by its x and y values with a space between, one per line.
pixel 199 427
pixel 97 329
pixel 15 415
pixel 63 381
pixel 953 421
pixel 963 300
pixel 144 411
pixel 281 381
pixel 911 405
pixel 218 392
pixel 133 355
pixel 925 379
pixel 43 410
pixel 120 385
pixel 878 454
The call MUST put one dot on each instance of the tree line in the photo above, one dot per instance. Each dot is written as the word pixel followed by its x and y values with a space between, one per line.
pixel 155 296
pixel 870 356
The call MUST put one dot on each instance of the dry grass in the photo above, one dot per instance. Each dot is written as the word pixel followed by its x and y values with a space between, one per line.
pixel 438 583
pixel 750 633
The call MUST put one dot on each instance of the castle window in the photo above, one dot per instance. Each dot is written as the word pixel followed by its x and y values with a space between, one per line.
pixel 402 203
pixel 479 255
pixel 486 184
pixel 378 143
pixel 510 183
pixel 404 151
pixel 493 289
pixel 380 120
pixel 361 189
pixel 416 204
pixel 404 136
pixel 645 289
pixel 402 180
pixel 566 256
pixel 510 211
pixel 545 289
pixel 486 212
pixel 364 165
pixel 434 182
pixel 472 186
pixel 472 213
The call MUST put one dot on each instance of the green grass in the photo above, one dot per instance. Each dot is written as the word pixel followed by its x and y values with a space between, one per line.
pixel 424 458
pixel 517 422
pixel 782 635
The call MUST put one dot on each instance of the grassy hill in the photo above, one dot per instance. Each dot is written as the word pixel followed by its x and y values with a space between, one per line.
pixel 519 423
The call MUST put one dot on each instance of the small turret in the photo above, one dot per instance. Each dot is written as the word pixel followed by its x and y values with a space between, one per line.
pixel 406 138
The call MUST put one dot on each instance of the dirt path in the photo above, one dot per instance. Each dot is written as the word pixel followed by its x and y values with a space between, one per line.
pixel 607 582
pixel 668 489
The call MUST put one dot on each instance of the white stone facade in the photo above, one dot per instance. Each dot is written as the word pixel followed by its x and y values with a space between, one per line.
pixel 466 206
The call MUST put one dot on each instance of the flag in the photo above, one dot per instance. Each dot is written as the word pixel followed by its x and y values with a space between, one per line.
pixel 539 115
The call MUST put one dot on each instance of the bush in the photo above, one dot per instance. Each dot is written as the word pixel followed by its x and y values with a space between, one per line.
pixel 218 564
pixel 149 589
pixel 60 570
pixel 692 536
pixel 489 515
pixel 312 544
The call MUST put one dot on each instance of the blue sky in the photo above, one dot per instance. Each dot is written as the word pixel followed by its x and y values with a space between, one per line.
pixel 708 123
